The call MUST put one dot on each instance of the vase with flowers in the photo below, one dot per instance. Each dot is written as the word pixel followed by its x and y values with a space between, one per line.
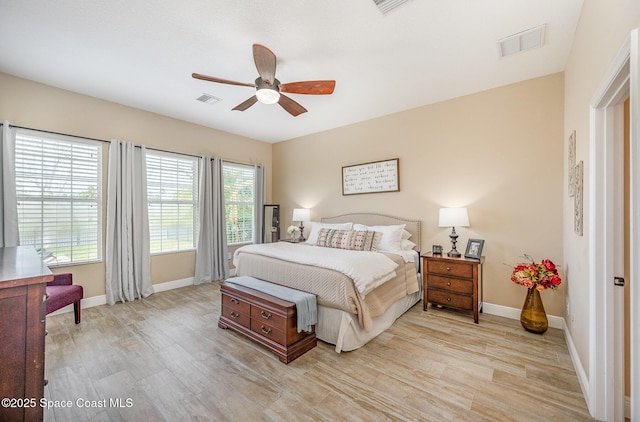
pixel 293 232
pixel 535 276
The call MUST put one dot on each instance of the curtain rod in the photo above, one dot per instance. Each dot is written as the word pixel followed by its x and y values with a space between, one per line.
pixel 103 140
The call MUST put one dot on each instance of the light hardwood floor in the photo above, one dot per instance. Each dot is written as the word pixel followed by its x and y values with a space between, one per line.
pixel 166 358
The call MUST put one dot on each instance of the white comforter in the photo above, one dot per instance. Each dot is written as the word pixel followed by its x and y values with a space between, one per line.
pixel 367 269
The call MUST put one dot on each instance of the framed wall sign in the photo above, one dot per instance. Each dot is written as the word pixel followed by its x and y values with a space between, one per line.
pixel 378 176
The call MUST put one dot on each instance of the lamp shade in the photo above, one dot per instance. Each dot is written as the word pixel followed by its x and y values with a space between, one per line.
pixel 453 217
pixel 301 214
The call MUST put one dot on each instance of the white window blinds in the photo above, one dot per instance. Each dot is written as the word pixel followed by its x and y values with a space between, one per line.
pixel 172 189
pixel 239 202
pixel 59 193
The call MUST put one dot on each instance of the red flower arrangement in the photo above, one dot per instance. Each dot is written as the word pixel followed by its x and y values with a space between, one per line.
pixel 543 275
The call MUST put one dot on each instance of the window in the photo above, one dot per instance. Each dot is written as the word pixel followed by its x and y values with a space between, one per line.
pixel 239 202
pixel 59 193
pixel 172 190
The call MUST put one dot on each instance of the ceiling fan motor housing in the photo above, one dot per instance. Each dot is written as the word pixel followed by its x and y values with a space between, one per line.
pixel 267 93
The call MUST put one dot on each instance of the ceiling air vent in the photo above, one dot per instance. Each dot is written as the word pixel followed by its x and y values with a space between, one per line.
pixel 386 6
pixel 525 40
pixel 209 99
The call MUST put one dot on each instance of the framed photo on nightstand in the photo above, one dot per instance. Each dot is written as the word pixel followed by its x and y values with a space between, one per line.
pixel 474 248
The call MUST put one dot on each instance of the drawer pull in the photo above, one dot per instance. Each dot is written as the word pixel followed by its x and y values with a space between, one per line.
pixel 46 333
pixel 265 330
pixel 234 300
pixel 265 315
pixel 45 297
pixel 235 315
pixel 448 283
pixel 448 268
pixel 448 299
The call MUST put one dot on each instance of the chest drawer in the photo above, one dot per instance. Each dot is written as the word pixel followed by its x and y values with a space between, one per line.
pixel 268 317
pixel 454 285
pixel 450 299
pixel 269 331
pixel 453 269
pixel 238 304
pixel 236 316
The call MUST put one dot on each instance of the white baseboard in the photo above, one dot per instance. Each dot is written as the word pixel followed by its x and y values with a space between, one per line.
pixel 90 302
pixel 514 313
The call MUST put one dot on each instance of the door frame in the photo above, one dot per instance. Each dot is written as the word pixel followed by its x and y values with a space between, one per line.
pixel 606 303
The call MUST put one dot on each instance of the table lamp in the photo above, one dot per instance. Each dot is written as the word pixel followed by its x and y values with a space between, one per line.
pixel 301 214
pixel 453 217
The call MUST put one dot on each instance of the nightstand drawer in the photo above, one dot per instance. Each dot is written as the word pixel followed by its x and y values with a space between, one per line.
pixel 454 285
pixel 450 299
pixel 454 269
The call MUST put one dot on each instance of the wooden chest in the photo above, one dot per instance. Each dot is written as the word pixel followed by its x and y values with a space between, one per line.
pixel 265 319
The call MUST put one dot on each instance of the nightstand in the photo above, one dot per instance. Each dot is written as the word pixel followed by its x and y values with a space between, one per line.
pixel 453 282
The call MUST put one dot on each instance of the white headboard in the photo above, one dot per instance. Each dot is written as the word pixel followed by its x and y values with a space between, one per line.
pixel 372 219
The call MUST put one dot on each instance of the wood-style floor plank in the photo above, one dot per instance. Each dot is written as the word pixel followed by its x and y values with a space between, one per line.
pixel 164 358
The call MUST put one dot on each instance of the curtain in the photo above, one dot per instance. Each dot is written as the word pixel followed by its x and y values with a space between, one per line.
pixel 212 261
pixel 8 202
pixel 259 200
pixel 128 256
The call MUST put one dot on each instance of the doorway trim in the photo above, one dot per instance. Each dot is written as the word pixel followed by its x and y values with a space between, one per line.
pixel 606 344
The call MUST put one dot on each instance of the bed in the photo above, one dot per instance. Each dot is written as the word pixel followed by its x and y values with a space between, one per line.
pixel 353 308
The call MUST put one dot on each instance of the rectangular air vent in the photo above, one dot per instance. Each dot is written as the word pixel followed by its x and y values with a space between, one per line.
pixel 209 99
pixel 386 6
pixel 522 41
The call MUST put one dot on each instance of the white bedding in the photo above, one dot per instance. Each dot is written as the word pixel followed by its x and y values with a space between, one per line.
pixel 367 269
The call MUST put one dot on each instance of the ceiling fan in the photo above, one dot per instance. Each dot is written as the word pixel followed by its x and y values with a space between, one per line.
pixel 268 89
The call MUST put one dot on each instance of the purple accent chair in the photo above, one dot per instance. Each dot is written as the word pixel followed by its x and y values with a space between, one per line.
pixel 63 292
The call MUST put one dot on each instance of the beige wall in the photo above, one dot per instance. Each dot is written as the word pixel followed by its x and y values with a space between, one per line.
pixel 25 103
pixel 603 28
pixel 499 153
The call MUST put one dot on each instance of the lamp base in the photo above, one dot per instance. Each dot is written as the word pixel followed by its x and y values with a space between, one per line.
pixel 453 253
pixel 301 238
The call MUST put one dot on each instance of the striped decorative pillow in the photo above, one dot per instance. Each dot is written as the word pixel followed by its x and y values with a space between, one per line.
pixel 354 240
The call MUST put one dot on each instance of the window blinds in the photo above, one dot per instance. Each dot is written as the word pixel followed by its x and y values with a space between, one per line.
pixel 58 188
pixel 172 189
pixel 239 201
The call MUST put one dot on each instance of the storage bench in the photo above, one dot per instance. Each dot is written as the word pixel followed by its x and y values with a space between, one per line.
pixel 264 319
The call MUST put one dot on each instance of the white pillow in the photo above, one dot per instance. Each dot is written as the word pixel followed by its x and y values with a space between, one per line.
pixel 317 226
pixel 407 245
pixel 405 235
pixel 391 236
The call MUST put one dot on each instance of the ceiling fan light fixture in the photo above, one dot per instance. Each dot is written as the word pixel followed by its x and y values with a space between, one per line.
pixel 267 95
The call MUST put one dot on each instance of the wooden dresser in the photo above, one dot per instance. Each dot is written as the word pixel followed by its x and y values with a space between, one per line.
pixel 265 319
pixel 453 282
pixel 23 277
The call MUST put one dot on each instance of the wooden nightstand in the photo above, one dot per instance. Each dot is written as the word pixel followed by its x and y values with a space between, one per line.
pixel 453 282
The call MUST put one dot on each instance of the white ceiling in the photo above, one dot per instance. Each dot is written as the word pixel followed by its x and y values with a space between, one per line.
pixel 141 53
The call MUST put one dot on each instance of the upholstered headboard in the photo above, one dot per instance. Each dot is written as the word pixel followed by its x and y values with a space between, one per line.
pixel 371 219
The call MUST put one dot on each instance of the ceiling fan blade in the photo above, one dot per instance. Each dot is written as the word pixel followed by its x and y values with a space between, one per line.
pixel 221 81
pixel 309 87
pixel 291 106
pixel 265 63
pixel 246 104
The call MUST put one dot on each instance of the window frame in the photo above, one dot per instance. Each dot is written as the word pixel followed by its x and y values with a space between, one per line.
pixel 193 203
pixel 60 198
